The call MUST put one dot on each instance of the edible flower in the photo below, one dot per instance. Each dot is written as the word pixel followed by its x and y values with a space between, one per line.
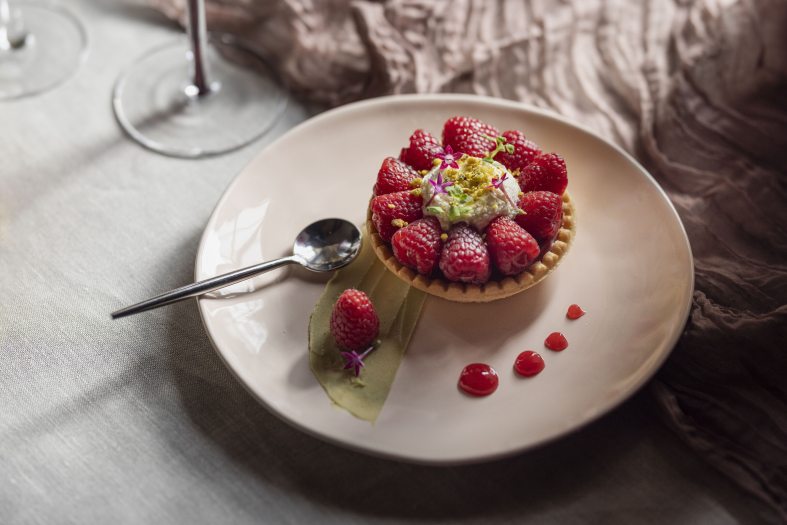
pixel 353 360
pixel 497 183
pixel 448 159
pixel 439 186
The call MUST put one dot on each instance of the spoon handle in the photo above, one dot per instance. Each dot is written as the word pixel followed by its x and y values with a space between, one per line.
pixel 201 287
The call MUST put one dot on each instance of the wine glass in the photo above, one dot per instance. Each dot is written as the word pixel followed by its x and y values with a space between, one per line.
pixel 41 45
pixel 190 100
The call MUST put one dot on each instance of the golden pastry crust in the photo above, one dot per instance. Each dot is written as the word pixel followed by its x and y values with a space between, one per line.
pixel 493 289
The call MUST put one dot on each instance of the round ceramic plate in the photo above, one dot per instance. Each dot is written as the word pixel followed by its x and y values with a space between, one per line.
pixel 630 268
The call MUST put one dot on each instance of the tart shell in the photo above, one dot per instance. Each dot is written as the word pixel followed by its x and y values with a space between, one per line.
pixel 492 290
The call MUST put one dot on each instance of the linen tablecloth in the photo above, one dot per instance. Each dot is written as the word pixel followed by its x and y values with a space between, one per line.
pixel 138 421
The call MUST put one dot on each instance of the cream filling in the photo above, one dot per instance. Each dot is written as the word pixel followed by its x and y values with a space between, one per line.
pixel 478 202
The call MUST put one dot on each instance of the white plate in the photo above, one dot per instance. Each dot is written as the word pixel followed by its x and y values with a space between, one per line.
pixel 630 267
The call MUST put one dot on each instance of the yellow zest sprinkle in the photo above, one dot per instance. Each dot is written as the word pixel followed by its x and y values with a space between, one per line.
pixel 398 223
pixel 443 237
pixel 417 192
pixel 391 206
pixel 423 172
pixel 520 194
pixel 416 183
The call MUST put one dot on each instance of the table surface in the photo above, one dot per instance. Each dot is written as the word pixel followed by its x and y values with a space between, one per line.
pixel 138 421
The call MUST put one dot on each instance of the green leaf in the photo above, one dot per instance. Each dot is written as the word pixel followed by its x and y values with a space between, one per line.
pixel 509 148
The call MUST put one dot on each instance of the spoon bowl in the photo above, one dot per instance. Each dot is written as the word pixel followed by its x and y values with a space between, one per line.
pixel 327 245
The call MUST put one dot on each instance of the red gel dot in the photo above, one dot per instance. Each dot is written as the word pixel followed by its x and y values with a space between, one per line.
pixel 528 364
pixel 478 379
pixel 575 312
pixel 556 341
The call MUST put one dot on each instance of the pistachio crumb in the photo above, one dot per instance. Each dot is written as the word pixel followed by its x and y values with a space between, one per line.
pixel 417 192
pixel 443 237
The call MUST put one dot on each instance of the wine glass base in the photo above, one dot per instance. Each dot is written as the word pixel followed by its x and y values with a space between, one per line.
pixel 45 55
pixel 156 104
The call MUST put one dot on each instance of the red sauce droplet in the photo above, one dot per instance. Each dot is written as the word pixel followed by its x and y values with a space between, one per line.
pixel 528 364
pixel 556 341
pixel 478 379
pixel 575 312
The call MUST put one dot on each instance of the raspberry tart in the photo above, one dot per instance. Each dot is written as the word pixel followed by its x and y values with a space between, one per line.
pixel 476 217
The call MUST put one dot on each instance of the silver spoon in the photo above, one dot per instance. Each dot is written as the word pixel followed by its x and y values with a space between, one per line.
pixel 322 246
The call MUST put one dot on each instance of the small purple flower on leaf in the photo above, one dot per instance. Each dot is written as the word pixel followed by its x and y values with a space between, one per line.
pixel 449 158
pixel 353 360
pixel 439 186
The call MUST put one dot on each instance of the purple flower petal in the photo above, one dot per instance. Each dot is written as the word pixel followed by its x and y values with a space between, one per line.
pixel 353 360
pixel 448 158
pixel 498 182
pixel 439 186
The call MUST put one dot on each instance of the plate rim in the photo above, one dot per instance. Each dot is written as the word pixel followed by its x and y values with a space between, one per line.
pixel 623 396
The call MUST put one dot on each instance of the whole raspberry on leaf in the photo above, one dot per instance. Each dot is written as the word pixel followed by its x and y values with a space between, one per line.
pixel 354 322
pixel 511 248
pixel 393 210
pixel 394 175
pixel 465 257
pixel 524 151
pixel 547 172
pixel 543 214
pixel 418 245
pixel 422 151
pixel 469 135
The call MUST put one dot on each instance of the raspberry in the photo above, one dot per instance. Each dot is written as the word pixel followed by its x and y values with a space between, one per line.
pixel 394 175
pixel 511 248
pixel 543 214
pixel 465 257
pixel 524 151
pixel 400 206
pixel 546 172
pixel 423 149
pixel 418 245
pixel 354 323
pixel 466 135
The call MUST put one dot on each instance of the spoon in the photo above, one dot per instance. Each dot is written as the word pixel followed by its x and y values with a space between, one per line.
pixel 322 246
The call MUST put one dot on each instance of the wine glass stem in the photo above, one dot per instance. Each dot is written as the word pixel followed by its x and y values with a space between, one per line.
pixel 11 32
pixel 197 31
